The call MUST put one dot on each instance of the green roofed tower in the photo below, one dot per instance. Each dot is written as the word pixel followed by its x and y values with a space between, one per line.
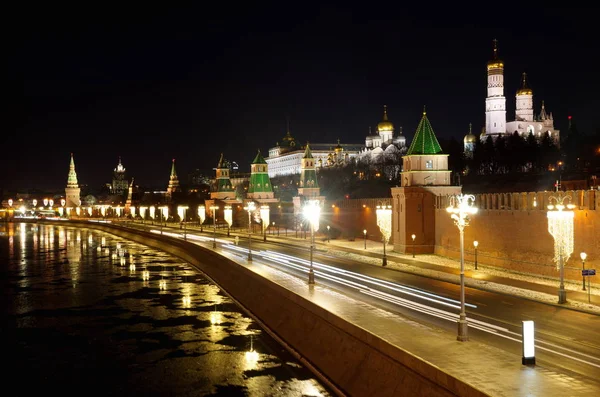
pixel 260 184
pixel 308 186
pixel 425 141
pixel 223 187
pixel 425 163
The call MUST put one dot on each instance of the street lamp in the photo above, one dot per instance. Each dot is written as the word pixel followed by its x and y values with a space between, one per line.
pixel 182 212
pixel 312 211
pixel 560 226
pixel 365 234
pixel 328 234
pixel 201 215
pixel 214 209
pixel 461 206
pixel 250 207
pixel 583 256
pixel 413 244
pixel 384 221
pixel 228 216
pixel 475 244
pixel 264 216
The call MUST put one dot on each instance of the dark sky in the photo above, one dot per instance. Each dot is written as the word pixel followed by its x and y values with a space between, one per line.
pixel 150 85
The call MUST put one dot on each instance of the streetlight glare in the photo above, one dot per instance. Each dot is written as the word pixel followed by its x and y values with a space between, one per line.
pixel 560 226
pixel 312 212
pixel 384 221
pixel 461 206
pixel 583 256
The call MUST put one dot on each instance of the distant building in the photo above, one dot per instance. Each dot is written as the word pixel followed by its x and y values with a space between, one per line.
pixel 286 158
pixel 119 182
pixel 223 190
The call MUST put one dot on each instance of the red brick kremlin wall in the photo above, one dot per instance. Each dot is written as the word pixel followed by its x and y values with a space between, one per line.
pixel 512 231
pixel 511 228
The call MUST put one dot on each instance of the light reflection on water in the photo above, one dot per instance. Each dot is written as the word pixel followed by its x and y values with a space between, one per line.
pixel 86 308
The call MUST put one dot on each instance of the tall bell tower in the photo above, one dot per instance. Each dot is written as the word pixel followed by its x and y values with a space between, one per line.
pixel 495 103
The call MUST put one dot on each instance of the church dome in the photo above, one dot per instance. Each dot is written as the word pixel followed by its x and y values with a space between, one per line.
pixel 470 138
pixel 524 90
pixel 385 124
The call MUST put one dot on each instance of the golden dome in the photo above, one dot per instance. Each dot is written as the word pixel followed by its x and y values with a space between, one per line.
pixel 385 124
pixel 470 138
pixel 524 90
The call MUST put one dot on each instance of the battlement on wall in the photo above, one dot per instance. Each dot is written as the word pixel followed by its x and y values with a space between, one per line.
pixel 529 201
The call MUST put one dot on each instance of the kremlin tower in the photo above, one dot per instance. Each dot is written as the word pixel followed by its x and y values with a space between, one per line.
pixel 72 191
pixel 173 183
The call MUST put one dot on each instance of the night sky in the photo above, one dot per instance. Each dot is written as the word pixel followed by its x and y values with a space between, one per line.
pixel 151 85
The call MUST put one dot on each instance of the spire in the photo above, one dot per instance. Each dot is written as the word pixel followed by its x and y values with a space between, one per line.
pixel 495 56
pixel 385 117
pixel 307 152
pixel 259 159
pixel 470 128
pixel 173 173
pixel 424 141
pixel 72 178
pixel 424 110
pixel 370 133
pixel 524 85
pixel 221 163
pixel 543 114
pixel 173 182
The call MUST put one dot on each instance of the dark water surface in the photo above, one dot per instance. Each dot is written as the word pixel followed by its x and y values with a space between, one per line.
pixel 88 313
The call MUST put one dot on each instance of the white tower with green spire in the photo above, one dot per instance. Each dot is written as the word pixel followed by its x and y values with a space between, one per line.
pixel 173 182
pixel 72 191
pixel 224 190
pixel 260 187
pixel 308 185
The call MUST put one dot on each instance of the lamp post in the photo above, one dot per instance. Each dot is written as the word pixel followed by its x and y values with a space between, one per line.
pixel 251 207
pixel 413 244
pixel 365 234
pixel 475 244
pixel 214 209
pixel 264 216
pixel 384 221
pixel 461 206
pixel 328 234
pixel 201 215
pixel 182 212
pixel 312 211
pixel 583 256
pixel 228 215
pixel 560 226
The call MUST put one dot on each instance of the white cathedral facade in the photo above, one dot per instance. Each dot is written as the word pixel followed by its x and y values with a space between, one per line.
pixel 383 145
pixel 526 121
